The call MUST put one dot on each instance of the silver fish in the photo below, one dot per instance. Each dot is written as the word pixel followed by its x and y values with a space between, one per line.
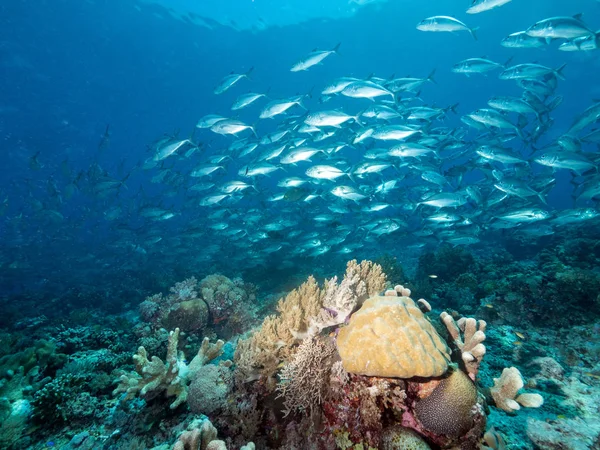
pixel 445 23
pixel 521 39
pixel 479 6
pixel 245 100
pixel 563 27
pixel 313 58
pixel 231 80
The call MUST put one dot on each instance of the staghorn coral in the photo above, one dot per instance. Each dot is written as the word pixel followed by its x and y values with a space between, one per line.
pixel 304 379
pixel 470 343
pixel 152 377
pixel 505 392
pixel 390 337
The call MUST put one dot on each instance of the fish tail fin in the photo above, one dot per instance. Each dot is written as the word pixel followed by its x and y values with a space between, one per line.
pixel 430 77
pixel 452 108
pixel 336 48
pixel 357 119
pixel 249 72
pixel 542 195
pixel 508 61
pixel 418 96
pixel 559 73
pixel 124 180
pixel 473 32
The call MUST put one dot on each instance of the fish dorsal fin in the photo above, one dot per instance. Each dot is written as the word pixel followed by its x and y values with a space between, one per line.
pixel 578 16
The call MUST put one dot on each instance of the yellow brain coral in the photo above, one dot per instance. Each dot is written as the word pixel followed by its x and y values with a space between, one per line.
pixel 390 337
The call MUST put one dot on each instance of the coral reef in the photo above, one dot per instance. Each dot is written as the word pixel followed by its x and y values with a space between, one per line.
pixel 337 366
pixel 388 369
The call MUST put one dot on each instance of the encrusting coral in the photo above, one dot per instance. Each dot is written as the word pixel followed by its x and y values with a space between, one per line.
pixel 151 377
pixel 505 392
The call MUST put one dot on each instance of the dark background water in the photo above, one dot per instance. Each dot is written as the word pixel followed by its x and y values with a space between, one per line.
pixel 69 68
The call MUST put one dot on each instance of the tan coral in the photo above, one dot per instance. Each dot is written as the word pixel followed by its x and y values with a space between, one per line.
pixel 156 375
pixel 390 337
pixel 505 392
pixel 172 376
pixel 470 343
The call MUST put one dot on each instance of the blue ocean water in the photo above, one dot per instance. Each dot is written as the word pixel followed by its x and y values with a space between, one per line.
pixel 90 87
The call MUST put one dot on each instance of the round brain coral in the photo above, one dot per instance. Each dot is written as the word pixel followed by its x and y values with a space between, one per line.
pixel 390 337
pixel 449 409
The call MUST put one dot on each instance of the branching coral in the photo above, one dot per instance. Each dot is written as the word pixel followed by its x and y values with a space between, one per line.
pixel 339 301
pixel 505 392
pixel 470 342
pixel 305 377
pixel 153 376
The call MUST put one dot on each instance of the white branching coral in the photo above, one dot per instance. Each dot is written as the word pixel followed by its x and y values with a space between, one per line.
pixel 153 376
pixel 468 335
pixel 340 300
pixel 505 392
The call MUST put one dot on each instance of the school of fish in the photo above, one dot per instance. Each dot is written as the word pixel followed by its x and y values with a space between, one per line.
pixel 385 169
pixel 329 181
